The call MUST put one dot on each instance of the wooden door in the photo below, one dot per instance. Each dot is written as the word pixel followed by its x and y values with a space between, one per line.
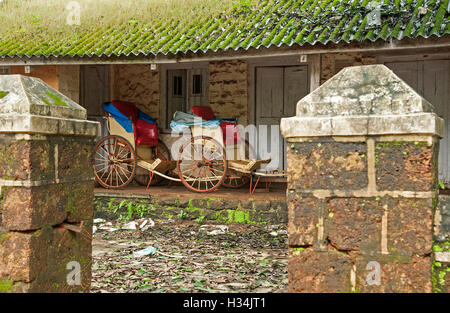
pixel 198 87
pixel 95 90
pixel 176 92
pixel 278 89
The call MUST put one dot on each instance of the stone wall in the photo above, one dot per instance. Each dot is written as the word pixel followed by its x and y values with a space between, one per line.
pixel 228 89
pixel 137 83
pixel 331 64
pixel 35 244
pixel 271 210
pixel 362 186
pixel 69 81
pixel 355 202
pixel 46 189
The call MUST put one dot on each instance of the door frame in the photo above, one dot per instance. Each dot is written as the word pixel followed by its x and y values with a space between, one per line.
pixel 268 62
pixel 163 85
pixel 274 62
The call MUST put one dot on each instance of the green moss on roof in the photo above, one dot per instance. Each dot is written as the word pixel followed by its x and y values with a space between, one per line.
pixel 255 24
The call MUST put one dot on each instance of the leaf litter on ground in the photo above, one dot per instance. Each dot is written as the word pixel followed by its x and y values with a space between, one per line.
pixel 188 258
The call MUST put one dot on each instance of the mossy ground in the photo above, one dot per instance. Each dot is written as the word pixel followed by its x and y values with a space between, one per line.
pixel 194 209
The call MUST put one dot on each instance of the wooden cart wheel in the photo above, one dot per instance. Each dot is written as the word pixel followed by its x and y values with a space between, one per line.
pixel 162 152
pixel 115 162
pixel 234 179
pixel 202 164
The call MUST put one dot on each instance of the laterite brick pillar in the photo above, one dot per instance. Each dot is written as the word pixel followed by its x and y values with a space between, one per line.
pixel 46 189
pixel 362 187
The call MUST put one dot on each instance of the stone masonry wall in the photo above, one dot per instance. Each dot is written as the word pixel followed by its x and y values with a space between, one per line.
pixel 228 89
pixel 137 83
pixel 361 200
pixel 36 244
pixel 332 63
pixel 69 81
pixel 362 158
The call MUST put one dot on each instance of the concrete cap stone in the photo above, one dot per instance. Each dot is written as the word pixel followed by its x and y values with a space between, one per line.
pixel 363 100
pixel 28 105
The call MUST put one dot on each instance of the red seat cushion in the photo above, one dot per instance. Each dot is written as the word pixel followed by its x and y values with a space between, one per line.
pixel 146 133
pixel 204 112
pixel 233 133
pixel 126 108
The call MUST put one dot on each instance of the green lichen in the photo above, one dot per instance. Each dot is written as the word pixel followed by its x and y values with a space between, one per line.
pixel 3 94
pixel 442 247
pixel 208 201
pixel 5 236
pixel 56 100
pixel 438 270
pixel 298 250
pixel 6 285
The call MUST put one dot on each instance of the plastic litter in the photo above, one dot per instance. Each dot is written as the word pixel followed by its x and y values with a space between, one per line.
pixel 99 220
pixel 214 229
pixel 145 252
pixel 130 226
pixel 143 224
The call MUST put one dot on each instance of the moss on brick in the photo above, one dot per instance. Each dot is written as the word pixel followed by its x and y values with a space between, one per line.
pixel 6 286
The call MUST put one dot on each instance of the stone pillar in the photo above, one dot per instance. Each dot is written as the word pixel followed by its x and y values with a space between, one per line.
pixel 362 187
pixel 46 189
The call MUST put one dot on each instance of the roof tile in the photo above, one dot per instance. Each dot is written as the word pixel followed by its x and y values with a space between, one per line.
pixel 266 23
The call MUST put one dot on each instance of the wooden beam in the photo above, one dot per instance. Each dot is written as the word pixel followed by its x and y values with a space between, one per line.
pixel 315 62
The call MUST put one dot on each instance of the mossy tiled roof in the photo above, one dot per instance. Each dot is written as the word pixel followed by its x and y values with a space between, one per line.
pixel 265 24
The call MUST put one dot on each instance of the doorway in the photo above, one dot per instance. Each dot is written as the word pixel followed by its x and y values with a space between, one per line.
pixel 185 88
pixel 95 90
pixel 278 89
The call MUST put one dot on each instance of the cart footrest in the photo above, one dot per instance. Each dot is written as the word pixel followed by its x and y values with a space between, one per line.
pixel 157 165
pixel 246 166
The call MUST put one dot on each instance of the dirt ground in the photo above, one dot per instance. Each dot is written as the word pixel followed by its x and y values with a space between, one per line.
pixel 245 258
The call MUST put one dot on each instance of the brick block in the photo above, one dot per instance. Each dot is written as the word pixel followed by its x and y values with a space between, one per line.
pixel 75 158
pixel 22 255
pixel 354 224
pixel 406 166
pixel 37 262
pixel 410 223
pixel 313 271
pixel 35 207
pixel 80 201
pixel 26 159
pixel 302 220
pixel 327 165
pixel 396 275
